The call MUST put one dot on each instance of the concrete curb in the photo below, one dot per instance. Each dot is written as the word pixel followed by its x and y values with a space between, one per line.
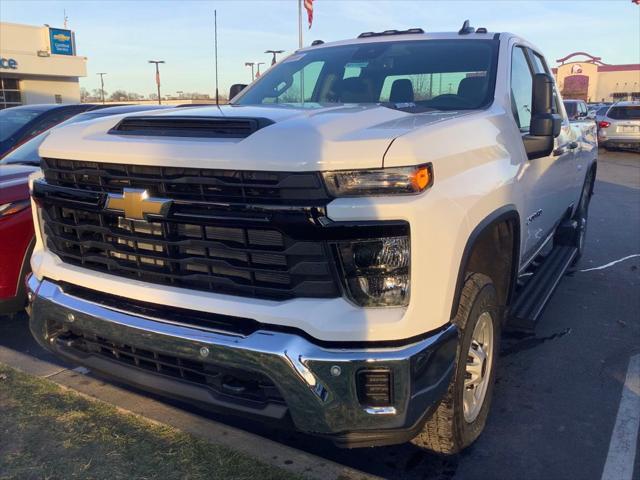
pixel 263 449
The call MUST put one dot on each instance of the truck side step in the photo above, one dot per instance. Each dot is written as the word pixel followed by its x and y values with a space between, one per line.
pixel 531 299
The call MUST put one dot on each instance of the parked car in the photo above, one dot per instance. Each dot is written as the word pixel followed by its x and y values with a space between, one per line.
pixel 116 110
pixel 19 124
pixel 576 109
pixel 600 114
pixel 16 236
pixel 16 224
pixel 620 127
pixel 340 257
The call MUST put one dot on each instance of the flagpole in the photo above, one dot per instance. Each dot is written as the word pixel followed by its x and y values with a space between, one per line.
pixel 299 23
pixel 300 46
pixel 215 37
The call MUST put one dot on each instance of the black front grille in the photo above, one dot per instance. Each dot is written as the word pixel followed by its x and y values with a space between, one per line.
pixel 227 231
pixel 251 259
pixel 250 388
pixel 190 184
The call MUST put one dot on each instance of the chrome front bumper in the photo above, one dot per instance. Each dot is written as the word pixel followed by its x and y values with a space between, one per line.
pixel 320 398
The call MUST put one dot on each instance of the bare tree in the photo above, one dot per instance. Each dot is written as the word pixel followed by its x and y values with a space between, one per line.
pixel 84 95
pixel 97 93
pixel 118 96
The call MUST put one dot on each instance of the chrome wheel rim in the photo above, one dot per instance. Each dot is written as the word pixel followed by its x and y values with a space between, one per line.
pixel 478 367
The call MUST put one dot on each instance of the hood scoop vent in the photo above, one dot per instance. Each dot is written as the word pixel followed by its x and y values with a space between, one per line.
pixel 190 126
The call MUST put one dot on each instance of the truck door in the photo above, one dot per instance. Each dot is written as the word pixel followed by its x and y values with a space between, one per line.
pixel 583 133
pixel 547 182
pixel 587 139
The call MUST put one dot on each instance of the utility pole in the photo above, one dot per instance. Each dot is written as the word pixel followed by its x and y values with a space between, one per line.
pixel 258 64
pixel 274 53
pixel 158 78
pixel 215 40
pixel 250 64
pixel 102 74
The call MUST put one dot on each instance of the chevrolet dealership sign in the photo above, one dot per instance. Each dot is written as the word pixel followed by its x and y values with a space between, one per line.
pixel 61 41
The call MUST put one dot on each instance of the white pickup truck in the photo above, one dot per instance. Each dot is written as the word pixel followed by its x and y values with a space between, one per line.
pixel 337 250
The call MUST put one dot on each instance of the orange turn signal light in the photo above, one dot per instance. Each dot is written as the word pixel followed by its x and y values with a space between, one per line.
pixel 421 178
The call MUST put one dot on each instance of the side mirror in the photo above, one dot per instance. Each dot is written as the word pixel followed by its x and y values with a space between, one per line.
pixel 545 125
pixel 235 89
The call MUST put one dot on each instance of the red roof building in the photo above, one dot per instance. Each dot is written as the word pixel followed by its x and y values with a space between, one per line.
pixel 588 78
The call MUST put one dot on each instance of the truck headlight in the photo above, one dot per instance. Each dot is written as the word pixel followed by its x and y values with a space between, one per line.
pixel 376 271
pixel 380 181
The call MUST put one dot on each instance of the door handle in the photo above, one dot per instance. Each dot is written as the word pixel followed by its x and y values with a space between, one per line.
pixel 565 148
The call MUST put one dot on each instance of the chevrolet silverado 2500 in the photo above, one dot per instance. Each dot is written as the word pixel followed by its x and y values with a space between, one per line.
pixel 337 250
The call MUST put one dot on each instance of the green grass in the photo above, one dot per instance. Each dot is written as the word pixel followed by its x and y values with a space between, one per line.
pixel 50 433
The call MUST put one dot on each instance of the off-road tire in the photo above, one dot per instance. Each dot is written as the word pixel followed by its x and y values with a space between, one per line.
pixel 447 432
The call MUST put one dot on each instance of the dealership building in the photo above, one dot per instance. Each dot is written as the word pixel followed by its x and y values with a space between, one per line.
pixel 38 64
pixel 583 76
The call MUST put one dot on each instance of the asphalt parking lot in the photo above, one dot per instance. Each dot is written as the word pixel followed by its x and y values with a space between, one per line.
pixel 558 391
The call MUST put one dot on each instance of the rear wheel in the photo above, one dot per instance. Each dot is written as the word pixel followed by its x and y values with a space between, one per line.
pixel 462 413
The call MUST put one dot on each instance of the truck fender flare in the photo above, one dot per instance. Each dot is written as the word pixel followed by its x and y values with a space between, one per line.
pixel 506 212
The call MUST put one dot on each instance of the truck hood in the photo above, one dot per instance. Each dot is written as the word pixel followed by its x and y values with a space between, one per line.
pixel 312 137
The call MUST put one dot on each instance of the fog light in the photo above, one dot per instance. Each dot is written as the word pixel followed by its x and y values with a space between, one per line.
pixel 374 387
pixel 377 270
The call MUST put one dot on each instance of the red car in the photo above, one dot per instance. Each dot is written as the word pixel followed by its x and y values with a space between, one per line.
pixel 16 236
pixel 16 224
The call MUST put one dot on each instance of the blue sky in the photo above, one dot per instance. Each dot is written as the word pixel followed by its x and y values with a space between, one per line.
pixel 119 37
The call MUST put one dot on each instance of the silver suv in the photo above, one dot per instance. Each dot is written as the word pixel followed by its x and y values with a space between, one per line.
pixel 620 127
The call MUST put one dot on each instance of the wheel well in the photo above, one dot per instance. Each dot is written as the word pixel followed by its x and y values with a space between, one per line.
pixel 493 250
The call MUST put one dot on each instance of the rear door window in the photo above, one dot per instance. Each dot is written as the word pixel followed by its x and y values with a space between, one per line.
pixel 540 66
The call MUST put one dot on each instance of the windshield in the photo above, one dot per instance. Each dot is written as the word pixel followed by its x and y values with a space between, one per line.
pixel 631 112
pixel 26 153
pixel 422 74
pixel 12 119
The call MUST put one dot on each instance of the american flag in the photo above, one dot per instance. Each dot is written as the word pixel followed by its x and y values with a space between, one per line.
pixel 308 5
pixel 158 78
pixel 637 2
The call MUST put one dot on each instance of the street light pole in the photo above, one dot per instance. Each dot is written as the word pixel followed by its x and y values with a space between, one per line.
pixel 158 77
pixel 274 53
pixel 250 64
pixel 258 64
pixel 102 74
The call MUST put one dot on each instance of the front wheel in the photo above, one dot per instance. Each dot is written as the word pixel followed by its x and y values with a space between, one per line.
pixel 462 413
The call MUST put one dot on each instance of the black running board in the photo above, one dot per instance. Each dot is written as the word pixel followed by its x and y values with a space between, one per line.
pixel 527 308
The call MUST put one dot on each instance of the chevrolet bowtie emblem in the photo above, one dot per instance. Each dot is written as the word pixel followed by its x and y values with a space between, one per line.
pixel 136 203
